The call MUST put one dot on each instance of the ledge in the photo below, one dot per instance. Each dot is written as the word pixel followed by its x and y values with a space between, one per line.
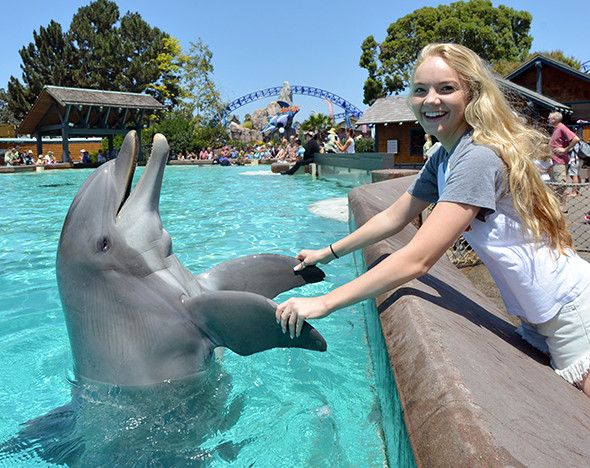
pixel 473 392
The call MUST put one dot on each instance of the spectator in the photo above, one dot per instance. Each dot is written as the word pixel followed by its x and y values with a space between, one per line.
pixel 561 143
pixel 331 142
pixel 348 146
pixel 311 147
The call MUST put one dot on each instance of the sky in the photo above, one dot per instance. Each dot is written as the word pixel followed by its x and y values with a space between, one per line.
pixel 262 44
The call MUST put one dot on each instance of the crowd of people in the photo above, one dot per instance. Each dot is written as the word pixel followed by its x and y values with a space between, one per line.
pixel 16 157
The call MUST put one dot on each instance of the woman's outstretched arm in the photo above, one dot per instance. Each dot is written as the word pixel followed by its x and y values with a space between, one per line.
pixel 444 225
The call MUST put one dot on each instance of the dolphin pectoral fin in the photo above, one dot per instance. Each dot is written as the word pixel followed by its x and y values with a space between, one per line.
pixel 245 323
pixel 265 274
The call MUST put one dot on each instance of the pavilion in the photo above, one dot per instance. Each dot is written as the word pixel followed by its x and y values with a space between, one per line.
pixel 73 112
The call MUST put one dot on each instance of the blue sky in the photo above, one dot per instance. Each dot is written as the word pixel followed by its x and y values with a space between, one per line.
pixel 261 44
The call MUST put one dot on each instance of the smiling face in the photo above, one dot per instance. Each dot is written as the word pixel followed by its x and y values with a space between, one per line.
pixel 438 99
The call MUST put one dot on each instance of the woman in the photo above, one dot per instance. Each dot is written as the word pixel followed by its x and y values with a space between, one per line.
pixel 487 188
pixel 348 146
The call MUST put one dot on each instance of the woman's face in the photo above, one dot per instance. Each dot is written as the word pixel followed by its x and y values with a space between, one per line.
pixel 438 100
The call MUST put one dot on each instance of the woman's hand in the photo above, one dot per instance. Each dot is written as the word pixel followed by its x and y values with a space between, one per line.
pixel 292 313
pixel 312 257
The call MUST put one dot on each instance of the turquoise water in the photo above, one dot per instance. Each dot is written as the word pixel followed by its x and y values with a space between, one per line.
pixel 300 408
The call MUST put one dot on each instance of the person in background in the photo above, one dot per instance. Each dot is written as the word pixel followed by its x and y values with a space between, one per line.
pixel 331 143
pixel 561 143
pixel 348 146
pixel 311 147
pixel 486 188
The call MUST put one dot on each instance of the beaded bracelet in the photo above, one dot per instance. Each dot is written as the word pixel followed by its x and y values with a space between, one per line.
pixel 333 253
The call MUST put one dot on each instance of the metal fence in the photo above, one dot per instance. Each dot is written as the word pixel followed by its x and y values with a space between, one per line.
pixel 576 199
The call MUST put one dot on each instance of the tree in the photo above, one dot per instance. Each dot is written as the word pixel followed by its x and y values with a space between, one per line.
pixel 504 67
pixel 198 79
pixel 317 123
pixel 99 51
pixel 46 61
pixel 494 33
pixel 6 115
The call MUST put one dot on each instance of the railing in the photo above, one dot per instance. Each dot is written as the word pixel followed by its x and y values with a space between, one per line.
pixel 576 199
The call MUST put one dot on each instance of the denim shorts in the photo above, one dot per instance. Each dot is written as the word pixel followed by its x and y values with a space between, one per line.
pixel 567 336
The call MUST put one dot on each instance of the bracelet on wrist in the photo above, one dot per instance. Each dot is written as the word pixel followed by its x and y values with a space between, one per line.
pixel 333 253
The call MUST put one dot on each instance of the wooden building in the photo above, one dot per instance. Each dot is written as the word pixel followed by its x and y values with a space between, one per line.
pixel 560 82
pixel 396 130
pixel 73 112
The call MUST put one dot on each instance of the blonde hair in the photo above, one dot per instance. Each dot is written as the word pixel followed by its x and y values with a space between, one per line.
pixel 497 125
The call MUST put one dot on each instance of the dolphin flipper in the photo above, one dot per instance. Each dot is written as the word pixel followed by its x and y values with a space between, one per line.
pixel 245 323
pixel 266 274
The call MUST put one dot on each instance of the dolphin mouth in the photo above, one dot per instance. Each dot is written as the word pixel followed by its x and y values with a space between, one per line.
pixel 128 184
pixel 125 165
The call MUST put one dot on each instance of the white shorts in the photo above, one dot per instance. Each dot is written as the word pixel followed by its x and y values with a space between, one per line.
pixel 573 168
pixel 567 335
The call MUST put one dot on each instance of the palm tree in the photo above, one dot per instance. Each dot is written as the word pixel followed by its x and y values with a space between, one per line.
pixel 317 123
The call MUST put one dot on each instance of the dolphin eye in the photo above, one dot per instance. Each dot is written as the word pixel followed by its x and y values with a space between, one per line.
pixel 104 244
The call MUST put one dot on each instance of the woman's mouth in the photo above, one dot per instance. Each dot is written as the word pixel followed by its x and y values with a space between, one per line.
pixel 434 114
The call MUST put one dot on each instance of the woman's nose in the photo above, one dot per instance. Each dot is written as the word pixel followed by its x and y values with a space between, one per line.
pixel 431 96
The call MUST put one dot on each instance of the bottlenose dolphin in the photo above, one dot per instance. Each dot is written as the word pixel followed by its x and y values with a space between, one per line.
pixel 136 317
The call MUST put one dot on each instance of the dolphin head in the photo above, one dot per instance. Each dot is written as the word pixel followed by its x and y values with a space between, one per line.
pixel 109 227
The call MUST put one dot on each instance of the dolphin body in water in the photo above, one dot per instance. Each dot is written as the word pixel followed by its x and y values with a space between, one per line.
pixel 140 323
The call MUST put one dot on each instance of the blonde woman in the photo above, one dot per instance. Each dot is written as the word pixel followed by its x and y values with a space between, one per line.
pixel 487 188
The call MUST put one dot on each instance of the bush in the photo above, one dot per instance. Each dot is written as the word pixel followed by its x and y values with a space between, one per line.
pixel 364 145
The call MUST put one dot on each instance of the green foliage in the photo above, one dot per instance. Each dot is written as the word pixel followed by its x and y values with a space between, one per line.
pixel 364 145
pixel 317 123
pixel 101 50
pixel 184 134
pixel 504 68
pixel 200 87
pixel 494 33
pixel 6 115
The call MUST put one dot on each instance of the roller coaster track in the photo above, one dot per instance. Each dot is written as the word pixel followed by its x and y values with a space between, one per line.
pixel 349 109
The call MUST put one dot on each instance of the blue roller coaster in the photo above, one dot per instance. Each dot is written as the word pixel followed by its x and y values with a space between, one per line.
pixel 349 109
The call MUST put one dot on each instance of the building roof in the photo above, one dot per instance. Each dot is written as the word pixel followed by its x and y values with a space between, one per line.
pixel 86 107
pixel 549 61
pixel 537 98
pixel 388 109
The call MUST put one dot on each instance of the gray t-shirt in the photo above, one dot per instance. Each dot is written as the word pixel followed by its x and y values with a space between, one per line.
pixel 474 174
pixel 535 280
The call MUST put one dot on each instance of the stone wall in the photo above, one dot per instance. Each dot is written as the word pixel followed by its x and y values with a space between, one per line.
pixel 473 392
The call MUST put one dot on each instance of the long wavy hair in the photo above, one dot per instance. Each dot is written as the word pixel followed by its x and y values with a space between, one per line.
pixel 496 124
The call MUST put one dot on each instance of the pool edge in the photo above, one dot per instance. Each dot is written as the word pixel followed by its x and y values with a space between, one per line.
pixel 473 394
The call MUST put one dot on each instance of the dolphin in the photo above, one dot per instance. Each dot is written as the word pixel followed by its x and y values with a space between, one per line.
pixel 136 317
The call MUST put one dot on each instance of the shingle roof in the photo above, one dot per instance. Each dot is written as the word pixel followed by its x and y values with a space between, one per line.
pixel 388 109
pixel 538 98
pixel 90 100
pixel 550 61
pixel 93 97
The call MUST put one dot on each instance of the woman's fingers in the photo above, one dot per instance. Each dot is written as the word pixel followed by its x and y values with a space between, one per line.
pixel 288 318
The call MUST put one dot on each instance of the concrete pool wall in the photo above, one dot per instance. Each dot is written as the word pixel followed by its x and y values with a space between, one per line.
pixel 472 391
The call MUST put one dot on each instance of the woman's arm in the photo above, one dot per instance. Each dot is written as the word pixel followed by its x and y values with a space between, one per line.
pixel 384 224
pixel 444 225
pixel 345 146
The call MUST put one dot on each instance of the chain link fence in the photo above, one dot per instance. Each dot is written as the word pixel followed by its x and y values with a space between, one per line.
pixel 576 201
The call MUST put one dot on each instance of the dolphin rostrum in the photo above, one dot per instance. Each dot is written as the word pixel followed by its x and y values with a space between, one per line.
pixel 136 317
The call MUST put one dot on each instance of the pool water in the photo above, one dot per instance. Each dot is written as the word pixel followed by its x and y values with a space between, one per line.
pixel 297 407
